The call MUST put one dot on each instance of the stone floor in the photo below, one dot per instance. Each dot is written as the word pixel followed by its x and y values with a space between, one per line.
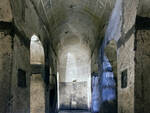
pixel 74 111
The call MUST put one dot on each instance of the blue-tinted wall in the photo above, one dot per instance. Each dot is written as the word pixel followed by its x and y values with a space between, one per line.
pixel 104 99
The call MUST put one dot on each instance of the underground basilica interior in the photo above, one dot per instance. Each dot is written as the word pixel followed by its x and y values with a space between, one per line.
pixel 74 56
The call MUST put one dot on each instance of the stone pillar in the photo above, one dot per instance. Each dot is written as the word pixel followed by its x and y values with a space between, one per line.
pixel 125 64
pixel 5 55
pixel 37 94
pixel 5 71
pixel 142 65
pixel 125 58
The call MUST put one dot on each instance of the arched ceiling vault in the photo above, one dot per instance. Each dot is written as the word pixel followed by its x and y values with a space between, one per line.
pixel 67 21
pixel 76 21
pixel 71 21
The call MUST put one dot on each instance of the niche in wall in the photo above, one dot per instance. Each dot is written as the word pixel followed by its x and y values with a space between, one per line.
pixel 124 78
pixel 21 78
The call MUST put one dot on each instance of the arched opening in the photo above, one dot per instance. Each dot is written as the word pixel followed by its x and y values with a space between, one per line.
pixel 74 79
pixel 37 86
pixel 36 51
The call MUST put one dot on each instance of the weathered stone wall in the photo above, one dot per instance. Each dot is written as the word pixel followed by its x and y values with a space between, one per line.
pixel 37 94
pixel 125 57
pixel 29 19
pixel 125 60
pixel 5 11
pixel 5 55
pixel 21 60
pixel 5 70
pixel 142 71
